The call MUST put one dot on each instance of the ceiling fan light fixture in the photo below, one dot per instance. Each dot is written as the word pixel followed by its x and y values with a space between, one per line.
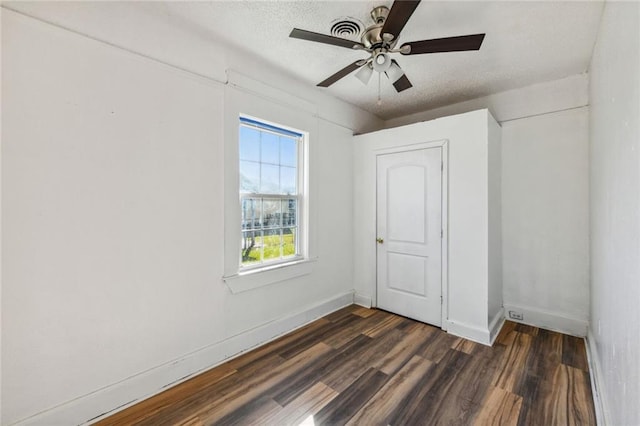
pixel 381 62
pixel 364 74
pixel 394 72
pixel 379 40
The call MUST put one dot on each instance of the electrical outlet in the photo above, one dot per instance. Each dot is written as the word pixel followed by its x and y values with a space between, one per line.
pixel 516 315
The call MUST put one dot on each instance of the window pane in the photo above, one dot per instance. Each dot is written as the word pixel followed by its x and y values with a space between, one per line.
pixel 272 244
pixel 270 179
pixel 270 148
pixel 289 242
pixel 288 180
pixel 250 246
pixel 247 214
pixel 289 212
pixel 251 213
pixel 249 144
pixel 288 151
pixel 249 176
pixel 271 213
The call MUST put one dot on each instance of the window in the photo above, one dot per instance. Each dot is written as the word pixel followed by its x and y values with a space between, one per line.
pixel 270 193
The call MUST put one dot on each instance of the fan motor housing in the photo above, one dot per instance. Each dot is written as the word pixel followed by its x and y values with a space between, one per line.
pixel 372 38
pixel 379 14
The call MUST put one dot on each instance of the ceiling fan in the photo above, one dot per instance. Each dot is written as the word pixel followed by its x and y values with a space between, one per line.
pixel 380 40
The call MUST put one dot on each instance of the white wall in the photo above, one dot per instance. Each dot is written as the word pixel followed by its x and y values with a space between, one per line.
pixel 154 31
pixel 614 333
pixel 494 185
pixel 468 257
pixel 545 219
pixel 544 198
pixel 1 220
pixel 113 225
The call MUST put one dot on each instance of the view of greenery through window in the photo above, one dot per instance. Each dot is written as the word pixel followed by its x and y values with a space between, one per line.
pixel 269 197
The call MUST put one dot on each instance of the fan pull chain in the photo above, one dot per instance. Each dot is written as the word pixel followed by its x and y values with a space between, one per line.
pixel 379 78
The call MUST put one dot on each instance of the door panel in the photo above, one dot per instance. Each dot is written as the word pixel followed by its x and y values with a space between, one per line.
pixel 407 273
pixel 409 220
pixel 405 205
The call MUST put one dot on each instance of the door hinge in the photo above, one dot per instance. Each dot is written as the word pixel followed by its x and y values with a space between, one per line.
pixel 442 166
pixel 442 233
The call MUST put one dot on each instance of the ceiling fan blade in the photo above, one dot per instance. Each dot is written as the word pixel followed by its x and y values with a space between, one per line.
pixel 399 14
pixel 342 73
pixel 326 39
pixel 402 83
pixel 447 44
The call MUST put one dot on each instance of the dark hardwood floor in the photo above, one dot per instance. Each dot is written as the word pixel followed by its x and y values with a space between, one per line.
pixel 360 366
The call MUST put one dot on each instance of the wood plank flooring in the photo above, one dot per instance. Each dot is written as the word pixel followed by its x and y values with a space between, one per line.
pixel 361 366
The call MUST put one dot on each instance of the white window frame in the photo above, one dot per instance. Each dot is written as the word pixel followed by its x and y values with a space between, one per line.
pixel 240 102
pixel 301 225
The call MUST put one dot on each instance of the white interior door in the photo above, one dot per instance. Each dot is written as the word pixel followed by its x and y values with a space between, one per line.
pixel 409 234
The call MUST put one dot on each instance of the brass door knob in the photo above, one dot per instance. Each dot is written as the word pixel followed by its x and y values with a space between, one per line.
pixel 379 240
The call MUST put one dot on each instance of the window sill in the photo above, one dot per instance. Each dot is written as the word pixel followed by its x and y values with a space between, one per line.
pixel 260 277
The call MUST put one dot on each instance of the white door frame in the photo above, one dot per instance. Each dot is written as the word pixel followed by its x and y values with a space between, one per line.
pixel 444 241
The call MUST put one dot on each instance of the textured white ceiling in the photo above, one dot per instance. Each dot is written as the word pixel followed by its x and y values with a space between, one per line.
pixel 526 42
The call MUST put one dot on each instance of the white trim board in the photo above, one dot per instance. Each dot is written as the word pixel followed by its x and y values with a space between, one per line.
pixel 362 300
pixel 477 334
pixel 548 320
pixel 469 332
pixel 597 385
pixel 118 396
pixel 495 325
pixel 250 280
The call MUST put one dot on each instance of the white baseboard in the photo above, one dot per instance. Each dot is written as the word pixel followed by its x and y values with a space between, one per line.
pixel 496 325
pixel 469 332
pixel 597 386
pixel 118 396
pixel 361 300
pixel 548 320
pixel 478 334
